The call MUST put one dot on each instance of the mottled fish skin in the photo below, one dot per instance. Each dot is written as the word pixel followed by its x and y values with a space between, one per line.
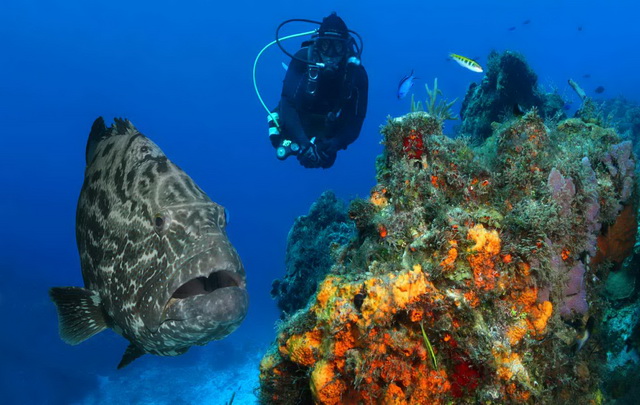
pixel 144 229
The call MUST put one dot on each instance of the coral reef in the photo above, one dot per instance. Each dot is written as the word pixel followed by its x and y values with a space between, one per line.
pixel 310 244
pixel 508 83
pixel 621 330
pixel 624 116
pixel 471 278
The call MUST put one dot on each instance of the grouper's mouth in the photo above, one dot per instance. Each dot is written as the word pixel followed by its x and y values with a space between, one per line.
pixel 204 285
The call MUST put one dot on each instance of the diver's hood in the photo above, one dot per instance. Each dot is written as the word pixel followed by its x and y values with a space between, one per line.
pixel 333 25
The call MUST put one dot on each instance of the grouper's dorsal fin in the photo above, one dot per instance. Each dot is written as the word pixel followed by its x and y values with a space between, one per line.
pixel 122 126
pixel 98 132
pixel 132 353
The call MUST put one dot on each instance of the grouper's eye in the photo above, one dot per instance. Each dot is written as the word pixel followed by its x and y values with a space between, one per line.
pixel 161 222
pixel 223 218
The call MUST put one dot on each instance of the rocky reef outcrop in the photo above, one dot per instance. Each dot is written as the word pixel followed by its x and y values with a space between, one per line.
pixel 310 246
pixel 509 84
pixel 475 275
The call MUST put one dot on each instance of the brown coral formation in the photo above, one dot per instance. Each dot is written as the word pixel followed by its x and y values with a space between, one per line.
pixel 459 299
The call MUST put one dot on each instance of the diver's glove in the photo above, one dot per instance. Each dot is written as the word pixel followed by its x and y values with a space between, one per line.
pixel 309 157
pixel 327 158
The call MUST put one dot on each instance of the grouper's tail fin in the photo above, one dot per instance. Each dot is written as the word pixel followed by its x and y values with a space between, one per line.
pixel 80 313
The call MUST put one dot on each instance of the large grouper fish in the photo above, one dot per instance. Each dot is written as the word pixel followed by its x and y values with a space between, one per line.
pixel 157 265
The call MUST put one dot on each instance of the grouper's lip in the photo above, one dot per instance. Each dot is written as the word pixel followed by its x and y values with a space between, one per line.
pixel 202 285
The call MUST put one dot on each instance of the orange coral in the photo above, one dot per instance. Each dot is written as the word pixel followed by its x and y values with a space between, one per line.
pixel 326 388
pixel 487 246
pixel 472 298
pixel 486 241
pixel 429 386
pixel 388 295
pixel 378 198
pixel 516 332
pixel 509 365
pixel 382 230
pixel 540 315
pixel 416 315
pixel 326 291
pixel 452 255
pixel 394 396
pixel 301 348
pixel 343 341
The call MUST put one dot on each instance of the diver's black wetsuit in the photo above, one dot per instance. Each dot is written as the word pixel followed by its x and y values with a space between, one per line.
pixel 332 109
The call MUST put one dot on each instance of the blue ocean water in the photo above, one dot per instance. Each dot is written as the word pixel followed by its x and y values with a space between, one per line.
pixel 181 72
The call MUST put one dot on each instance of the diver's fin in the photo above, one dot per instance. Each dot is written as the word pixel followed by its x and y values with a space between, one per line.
pixel 132 353
pixel 80 313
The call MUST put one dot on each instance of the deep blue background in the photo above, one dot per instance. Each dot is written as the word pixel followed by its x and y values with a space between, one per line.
pixel 181 72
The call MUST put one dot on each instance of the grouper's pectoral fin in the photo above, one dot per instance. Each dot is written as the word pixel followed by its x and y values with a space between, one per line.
pixel 132 353
pixel 80 313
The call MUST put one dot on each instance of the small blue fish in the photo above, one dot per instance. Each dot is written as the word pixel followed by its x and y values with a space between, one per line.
pixel 405 85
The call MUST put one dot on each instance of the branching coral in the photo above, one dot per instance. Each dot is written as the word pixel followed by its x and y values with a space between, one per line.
pixel 441 109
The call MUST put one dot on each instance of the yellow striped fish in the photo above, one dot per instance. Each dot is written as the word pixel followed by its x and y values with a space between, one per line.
pixel 466 62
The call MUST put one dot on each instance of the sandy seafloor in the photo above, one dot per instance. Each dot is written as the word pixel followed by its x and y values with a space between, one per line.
pixel 193 384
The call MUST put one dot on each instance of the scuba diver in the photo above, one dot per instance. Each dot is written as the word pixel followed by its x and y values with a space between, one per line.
pixel 324 95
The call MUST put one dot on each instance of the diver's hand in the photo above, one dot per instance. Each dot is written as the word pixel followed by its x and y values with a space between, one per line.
pixel 327 158
pixel 309 157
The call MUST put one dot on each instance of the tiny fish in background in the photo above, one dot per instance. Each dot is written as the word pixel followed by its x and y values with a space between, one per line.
pixel 405 85
pixel 525 22
pixel 518 111
pixel 586 75
pixel 599 89
pixel 511 28
pixel 157 265
pixel 466 62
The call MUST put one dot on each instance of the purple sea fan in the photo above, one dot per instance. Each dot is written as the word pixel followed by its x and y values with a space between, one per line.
pixel 575 297
pixel 562 190
pixel 620 163
pixel 621 154
pixel 591 208
pixel 619 160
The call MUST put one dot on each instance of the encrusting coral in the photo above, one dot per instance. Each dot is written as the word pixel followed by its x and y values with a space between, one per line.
pixel 471 277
